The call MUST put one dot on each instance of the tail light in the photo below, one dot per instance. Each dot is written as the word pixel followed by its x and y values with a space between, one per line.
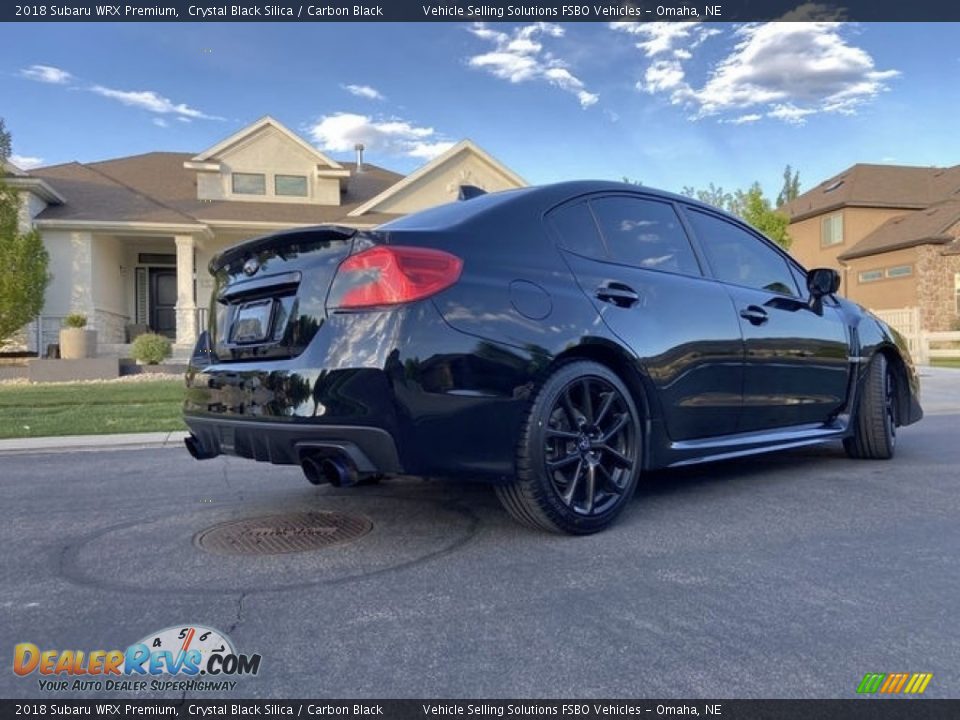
pixel 392 275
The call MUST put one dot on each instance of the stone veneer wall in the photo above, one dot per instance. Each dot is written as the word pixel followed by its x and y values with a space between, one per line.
pixel 936 291
pixel 111 327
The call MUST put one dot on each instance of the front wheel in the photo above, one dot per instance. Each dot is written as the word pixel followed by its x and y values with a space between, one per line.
pixel 875 425
pixel 578 459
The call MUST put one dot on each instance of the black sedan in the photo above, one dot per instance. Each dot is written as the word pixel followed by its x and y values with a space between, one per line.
pixel 554 341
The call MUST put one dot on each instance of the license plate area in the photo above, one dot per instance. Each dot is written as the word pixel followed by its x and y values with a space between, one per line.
pixel 252 322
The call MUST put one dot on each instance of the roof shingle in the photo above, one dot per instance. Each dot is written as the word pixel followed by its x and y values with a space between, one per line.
pixel 155 187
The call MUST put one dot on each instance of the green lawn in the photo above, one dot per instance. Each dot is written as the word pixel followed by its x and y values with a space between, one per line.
pixel 90 408
pixel 945 362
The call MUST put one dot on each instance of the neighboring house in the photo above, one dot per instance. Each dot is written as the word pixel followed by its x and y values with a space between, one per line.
pixel 892 231
pixel 130 239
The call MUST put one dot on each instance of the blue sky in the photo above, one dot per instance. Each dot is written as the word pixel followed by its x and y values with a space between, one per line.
pixel 668 104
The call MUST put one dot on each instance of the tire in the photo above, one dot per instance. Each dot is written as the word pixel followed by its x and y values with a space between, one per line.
pixel 875 424
pixel 579 455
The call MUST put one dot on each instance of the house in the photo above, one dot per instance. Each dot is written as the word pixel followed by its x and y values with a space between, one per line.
pixel 130 238
pixel 892 231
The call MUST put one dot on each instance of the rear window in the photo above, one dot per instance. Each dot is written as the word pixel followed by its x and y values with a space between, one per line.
pixel 577 230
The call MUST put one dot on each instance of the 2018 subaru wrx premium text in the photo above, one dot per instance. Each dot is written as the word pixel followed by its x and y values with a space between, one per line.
pixel 554 341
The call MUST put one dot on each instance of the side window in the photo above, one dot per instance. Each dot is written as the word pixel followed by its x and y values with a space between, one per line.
pixel 645 234
pixel 577 230
pixel 739 258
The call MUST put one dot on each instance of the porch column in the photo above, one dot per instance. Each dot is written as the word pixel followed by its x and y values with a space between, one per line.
pixel 186 300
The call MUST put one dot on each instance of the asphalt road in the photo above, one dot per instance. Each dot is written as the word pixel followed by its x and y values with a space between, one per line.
pixel 786 575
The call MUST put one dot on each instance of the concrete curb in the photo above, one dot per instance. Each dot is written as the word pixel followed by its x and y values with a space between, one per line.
pixel 66 443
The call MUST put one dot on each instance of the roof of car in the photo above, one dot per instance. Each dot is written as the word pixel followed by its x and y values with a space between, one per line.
pixel 540 198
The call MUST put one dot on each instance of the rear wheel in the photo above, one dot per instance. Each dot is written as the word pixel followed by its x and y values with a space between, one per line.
pixel 875 424
pixel 578 459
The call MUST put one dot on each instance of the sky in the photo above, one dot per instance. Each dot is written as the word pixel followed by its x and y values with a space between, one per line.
pixel 666 104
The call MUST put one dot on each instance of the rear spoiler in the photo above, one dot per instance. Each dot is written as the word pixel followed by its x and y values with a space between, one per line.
pixel 245 249
pixel 470 191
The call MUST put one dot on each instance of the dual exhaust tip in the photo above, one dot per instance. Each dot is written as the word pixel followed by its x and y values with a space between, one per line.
pixel 334 469
pixel 319 467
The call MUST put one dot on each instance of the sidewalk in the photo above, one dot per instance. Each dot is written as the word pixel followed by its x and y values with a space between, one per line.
pixel 67 443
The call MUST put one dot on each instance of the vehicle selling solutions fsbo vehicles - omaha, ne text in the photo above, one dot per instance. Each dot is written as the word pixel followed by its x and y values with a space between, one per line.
pixel 554 341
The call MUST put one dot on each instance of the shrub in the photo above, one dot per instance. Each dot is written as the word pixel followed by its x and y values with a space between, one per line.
pixel 151 348
pixel 75 320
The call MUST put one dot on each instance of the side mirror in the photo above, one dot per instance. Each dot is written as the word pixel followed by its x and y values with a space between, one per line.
pixel 823 281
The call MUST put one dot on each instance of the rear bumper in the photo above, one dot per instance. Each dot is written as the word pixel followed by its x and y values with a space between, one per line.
pixel 370 449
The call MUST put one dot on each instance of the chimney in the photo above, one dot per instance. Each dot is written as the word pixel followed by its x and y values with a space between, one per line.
pixel 359 148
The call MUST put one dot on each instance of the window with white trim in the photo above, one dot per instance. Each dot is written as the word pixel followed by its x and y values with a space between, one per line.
pixel 290 185
pixel 900 271
pixel 870 276
pixel 249 183
pixel 831 230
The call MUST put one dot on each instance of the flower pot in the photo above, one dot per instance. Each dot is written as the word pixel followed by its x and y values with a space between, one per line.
pixel 78 343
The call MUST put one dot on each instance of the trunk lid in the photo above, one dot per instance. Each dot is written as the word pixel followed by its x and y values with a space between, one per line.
pixel 270 293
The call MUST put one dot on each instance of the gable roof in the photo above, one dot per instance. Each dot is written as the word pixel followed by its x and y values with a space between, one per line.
pixel 9 168
pixel 920 227
pixel 155 187
pixel 462 147
pixel 879 186
pixel 250 130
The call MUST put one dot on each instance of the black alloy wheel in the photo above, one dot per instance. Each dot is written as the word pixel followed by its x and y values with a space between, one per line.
pixel 579 458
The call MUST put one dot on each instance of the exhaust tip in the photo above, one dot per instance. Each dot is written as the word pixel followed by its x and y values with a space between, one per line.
pixel 337 471
pixel 196 449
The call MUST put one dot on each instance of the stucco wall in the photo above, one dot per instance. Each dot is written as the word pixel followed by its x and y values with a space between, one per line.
pixel 887 293
pixel 271 153
pixel 857 224
pixel 442 184
pixel 71 256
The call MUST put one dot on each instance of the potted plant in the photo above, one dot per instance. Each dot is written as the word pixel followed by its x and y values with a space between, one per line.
pixel 76 342
pixel 150 349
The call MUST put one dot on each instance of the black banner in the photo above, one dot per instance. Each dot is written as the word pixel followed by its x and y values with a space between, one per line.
pixel 486 10
pixel 861 709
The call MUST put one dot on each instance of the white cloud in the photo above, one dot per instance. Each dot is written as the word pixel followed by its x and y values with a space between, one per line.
pixel 160 122
pixel 661 76
pixel 790 113
pixel 152 102
pixel 26 162
pixel 364 91
pixel 46 74
pixel 785 71
pixel 666 37
pixel 340 132
pixel 519 56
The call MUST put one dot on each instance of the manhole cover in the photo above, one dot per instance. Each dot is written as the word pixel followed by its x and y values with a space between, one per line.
pixel 275 534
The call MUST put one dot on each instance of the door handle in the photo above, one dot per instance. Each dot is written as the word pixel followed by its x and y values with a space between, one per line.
pixel 618 294
pixel 755 314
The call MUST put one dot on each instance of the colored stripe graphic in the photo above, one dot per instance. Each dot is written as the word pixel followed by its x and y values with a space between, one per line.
pixel 871 682
pixel 894 683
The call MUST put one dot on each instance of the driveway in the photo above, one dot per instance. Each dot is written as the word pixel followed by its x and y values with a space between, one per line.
pixel 787 575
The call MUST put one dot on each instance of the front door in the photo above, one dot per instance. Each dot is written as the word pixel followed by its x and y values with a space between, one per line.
pixel 796 365
pixel 163 301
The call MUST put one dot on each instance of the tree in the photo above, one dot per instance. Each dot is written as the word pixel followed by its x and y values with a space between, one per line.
pixel 23 273
pixel 756 210
pixel 791 186
pixel 749 205
pixel 713 195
